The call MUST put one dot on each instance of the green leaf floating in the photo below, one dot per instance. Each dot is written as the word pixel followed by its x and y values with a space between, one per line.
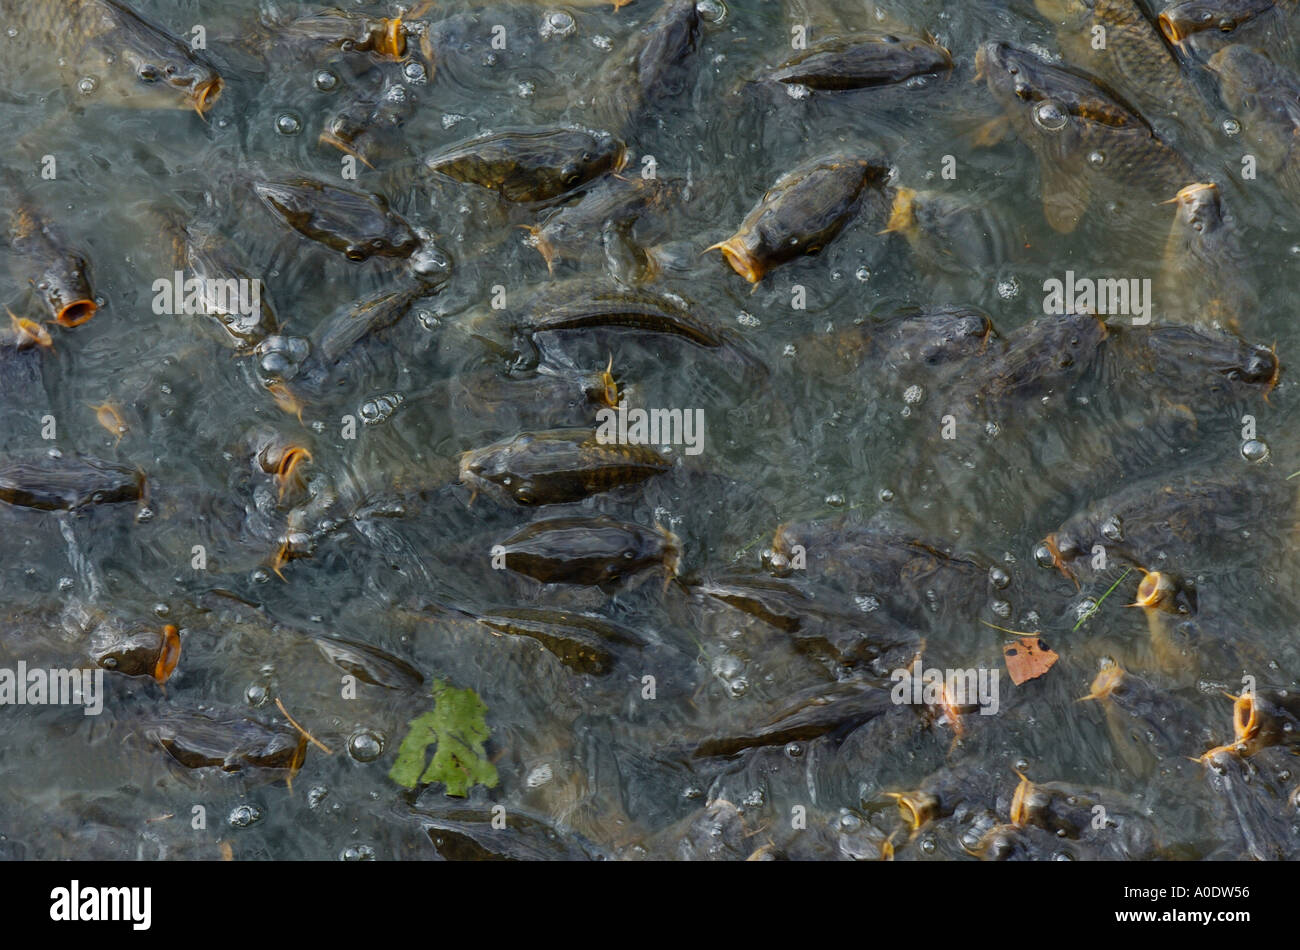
pixel 456 725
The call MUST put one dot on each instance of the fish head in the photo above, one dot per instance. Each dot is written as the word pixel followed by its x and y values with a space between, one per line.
pixel 1242 72
pixel 130 650
pixel 65 288
pixel 600 153
pixel 954 334
pixel 1200 355
pixel 917 54
pixel 1049 99
pixel 1199 209
pixel 162 64
pixel 1182 21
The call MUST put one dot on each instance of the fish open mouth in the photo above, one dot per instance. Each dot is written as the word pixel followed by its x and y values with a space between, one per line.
pixel 916 807
pixel 329 138
pixel 741 261
pixel 76 313
pixel 1018 813
pixel 1153 591
pixel 393 41
pixel 1105 682
pixel 902 213
pixel 1245 718
pixel 169 655
pixel 1170 29
pixel 205 94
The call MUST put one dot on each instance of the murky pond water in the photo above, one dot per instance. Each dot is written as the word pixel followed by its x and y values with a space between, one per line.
pixel 912 458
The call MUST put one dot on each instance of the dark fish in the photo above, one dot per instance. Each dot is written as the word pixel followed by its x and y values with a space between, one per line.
pixel 558 465
pixel 530 166
pixel 1252 799
pixel 1133 57
pixel 1147 723
pixel 148 65
pixel 1044 357
pixel 613 205
pixel 1182 21
pixel 800 214
pixel 950 788
pixel 58 275
pixel 582 305
pixel 68 483
pixel 653 70
pixel 580 642
pixel 137 650
pixel 368 663
pixel 862 61
pixel 337 335
pixel 1082 133
pixel 822 625
pixel 211 258
pixel 1177 517
pixel 470 834
pixel 1027 843
pixel 361 226
pixel 226 740
pixel 905 344
pixel 1205 367
pixel 951 234
pixel 1265 97
pixel 1107 819
pixel 551 396
pixel 902 570
pixel 370 125
pixel 1205 267
pixel 809 714
pixel 386 37
pixel 591 551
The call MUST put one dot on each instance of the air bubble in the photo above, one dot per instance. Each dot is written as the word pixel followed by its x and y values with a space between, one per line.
pixel 241 816
pixel 557 23
pixel 1253 450
pixel 366 745
pixel 286 123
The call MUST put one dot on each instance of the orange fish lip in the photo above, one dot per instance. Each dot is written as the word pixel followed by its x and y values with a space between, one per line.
pixel 1170 29
pixel 393 42
pixel 741 261
pixel 916 807
pixel 1018 801
pixel 1245 718
pixel 76 313
pixel 329 138
pixel 170 654
pixel 1152 590
pixel 206 93
pixel 1277 373
pixel 290 460
pixel 1105 682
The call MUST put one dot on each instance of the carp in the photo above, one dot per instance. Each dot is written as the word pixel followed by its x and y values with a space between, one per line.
pixel 558 465
pixel 1082 133
pixel 589 551
pixel 147 65
pixel 68 483
pixel 800 214
pixel 863 61
pixel 532 165
pixel 58 275
pixel 360 226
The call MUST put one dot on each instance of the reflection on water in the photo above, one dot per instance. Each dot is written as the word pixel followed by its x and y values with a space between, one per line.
pixel 909 454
